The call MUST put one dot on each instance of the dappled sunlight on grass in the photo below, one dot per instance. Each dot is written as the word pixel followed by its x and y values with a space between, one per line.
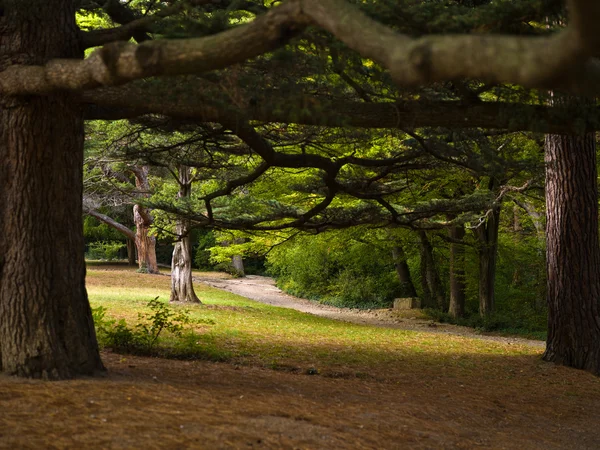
pixel 248 332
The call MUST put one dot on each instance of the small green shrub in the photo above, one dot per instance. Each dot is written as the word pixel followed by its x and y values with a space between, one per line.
pixel 144 338
pixel 105 250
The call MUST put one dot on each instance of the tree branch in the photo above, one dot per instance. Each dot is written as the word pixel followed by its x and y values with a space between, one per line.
pixel 529 61
pixel 110 222
pixel 563 60
pixel 119 63
pixel 197 101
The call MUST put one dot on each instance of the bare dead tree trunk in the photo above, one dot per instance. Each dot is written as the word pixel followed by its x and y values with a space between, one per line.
pixel 457 272
pixel 142 217
pixel 573 252
pixel 182 286
pixel 399 257
pixel 46 328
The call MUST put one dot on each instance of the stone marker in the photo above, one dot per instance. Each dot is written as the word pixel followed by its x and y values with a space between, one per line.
pixel 407 303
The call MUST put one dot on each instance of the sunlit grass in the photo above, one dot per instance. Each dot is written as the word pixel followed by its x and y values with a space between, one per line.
pixel 248 332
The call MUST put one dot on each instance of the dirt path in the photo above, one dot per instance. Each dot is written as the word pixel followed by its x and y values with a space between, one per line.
pixel 263 289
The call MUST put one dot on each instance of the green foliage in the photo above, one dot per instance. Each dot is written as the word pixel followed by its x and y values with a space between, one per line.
pixel 221 247
pixel 145 338
pixel 526 322
pixel 94 230
pixel 104 250
pixel 206 240
pixel 346 268
pixel 521 274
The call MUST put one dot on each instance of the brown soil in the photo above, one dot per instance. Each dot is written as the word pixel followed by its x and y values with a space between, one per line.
pixel 153 403
pixel 515 402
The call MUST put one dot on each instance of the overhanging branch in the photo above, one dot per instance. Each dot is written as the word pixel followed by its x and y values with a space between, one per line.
pixel 197 103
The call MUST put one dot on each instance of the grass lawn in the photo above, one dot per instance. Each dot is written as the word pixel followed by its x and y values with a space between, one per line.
pixel 246 332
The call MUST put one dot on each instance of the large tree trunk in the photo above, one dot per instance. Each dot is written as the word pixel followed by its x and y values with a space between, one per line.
pixel 573 253
pixel 487 235
pixel 399 257
pixel 142 217
pixel 46 327
pixel 182 286
pixel 457 272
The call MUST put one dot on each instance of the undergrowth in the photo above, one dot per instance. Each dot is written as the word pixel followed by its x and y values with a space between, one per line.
pixel 532 326
pixel 162 331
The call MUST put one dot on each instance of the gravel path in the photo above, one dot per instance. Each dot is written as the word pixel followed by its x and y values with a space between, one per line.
pixel 263 289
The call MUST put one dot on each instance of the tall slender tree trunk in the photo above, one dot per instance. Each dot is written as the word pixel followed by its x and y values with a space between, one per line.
pixel 517 229
pixel 457 272
pixel 142 217
pixel 433 290
pixel 573 252
pixel 130 252
pixel 46 327
pixel 399 257
pixel 487 236
pixel 182 286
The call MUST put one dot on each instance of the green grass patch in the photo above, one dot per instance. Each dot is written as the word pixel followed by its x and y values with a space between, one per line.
pixel 227 327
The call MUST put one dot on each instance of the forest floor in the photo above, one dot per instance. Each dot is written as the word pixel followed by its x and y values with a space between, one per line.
pixel 438 391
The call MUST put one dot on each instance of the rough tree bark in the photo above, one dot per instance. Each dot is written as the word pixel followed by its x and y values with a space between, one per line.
pixel 399 257
pixel 46 327
pixel 457 272
pixel 573 253
pixel 182 286
pixel 142 217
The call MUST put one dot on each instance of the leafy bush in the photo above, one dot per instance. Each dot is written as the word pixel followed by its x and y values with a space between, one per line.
pixel 341 268
pixel 145 337
pixel 105 250
pixel 206 240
